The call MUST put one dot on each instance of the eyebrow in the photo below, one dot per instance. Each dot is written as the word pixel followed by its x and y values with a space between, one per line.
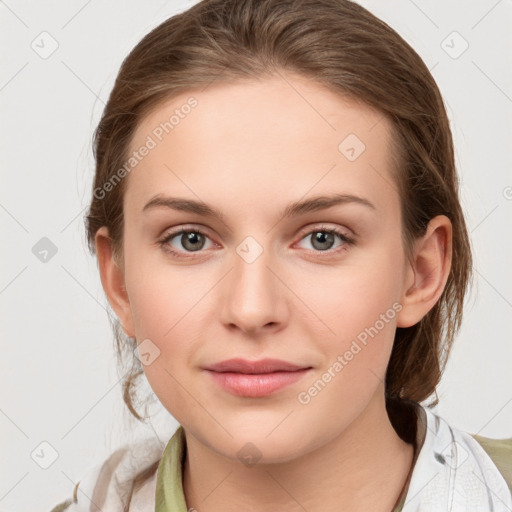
pixel 297 208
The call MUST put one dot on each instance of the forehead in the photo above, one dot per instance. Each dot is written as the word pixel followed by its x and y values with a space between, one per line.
pixel 262 140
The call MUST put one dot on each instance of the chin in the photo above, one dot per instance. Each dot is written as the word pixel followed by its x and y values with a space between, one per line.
pixel 255 446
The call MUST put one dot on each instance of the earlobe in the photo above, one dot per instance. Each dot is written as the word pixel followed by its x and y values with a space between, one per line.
pixel 112 280
pixel 427 272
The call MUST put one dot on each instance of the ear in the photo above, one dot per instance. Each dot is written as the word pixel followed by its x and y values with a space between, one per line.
pixel 426 274
pixel 112 280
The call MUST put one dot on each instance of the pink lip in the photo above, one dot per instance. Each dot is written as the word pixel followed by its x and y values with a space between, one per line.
pixel 255 378
pixel 262 366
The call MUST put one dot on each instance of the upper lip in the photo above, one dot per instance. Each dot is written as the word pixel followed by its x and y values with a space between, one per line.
pixel 261 366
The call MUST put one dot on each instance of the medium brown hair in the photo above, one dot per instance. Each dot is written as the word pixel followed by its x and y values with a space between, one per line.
pixel 336 43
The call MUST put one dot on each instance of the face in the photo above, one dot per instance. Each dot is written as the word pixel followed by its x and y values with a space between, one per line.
pixel 276 272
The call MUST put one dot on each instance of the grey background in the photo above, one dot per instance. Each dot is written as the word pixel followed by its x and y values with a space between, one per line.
pixel 59 383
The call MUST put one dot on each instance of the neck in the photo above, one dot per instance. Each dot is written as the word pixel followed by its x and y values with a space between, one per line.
pixel 365 467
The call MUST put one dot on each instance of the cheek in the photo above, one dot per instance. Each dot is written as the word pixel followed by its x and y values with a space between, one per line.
pixel 168 305
pixel 163 312
pixel 361 312
pixel 357 306
pixel 349 299
pixel 155 292
pixel 164 323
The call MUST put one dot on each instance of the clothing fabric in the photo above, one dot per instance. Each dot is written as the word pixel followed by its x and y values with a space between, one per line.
pixel 452 471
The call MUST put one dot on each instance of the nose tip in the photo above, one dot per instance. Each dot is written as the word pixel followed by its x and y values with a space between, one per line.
pixel 251 325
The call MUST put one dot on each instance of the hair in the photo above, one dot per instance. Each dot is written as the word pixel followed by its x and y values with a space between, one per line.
pixel 342 46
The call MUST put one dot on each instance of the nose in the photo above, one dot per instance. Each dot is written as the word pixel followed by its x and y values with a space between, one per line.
pixel 253 296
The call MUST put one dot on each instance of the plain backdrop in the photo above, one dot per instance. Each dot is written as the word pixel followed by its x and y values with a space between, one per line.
pixel 59 384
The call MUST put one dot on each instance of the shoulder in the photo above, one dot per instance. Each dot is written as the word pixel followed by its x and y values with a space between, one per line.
pixel 466 471
pixel 109 484
pixel 500 452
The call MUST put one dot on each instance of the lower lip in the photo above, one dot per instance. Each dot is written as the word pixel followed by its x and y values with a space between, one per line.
pixel 256 385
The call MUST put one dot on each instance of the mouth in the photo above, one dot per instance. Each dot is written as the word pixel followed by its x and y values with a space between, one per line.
pixel 255 379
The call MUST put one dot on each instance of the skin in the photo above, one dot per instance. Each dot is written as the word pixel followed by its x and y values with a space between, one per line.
pixel 249 149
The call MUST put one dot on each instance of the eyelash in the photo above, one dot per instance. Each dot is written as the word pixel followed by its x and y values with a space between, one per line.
pixel 321 229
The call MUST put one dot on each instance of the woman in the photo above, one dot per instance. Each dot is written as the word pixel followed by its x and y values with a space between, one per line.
pixel 304 148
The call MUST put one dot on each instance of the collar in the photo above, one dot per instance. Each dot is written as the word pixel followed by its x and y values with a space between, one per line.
pixel 169 483
pixel 453 473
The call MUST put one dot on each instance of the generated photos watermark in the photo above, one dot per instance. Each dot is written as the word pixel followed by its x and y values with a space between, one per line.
pixel 152 140
pixel 342 360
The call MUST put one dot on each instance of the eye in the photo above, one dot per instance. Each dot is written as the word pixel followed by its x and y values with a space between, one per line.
pixel 322 238
pixel 183 241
